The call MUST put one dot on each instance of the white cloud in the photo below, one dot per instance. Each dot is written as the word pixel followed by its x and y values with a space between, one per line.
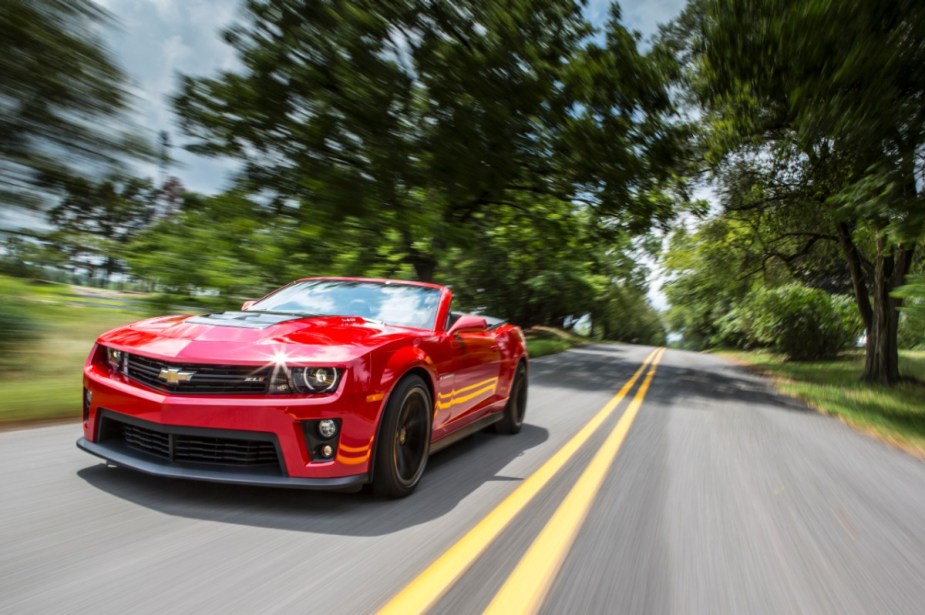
pixel 154 40
pixel 168 10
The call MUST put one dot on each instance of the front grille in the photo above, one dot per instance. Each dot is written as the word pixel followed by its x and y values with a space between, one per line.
pixel 192 448
pixel 202 378
pixel 146 440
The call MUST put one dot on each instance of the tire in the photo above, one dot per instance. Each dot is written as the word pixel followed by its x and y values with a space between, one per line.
pixel 513 418
pixel 404 439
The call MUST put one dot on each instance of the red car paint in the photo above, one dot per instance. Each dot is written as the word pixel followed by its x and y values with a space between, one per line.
pixel 469 374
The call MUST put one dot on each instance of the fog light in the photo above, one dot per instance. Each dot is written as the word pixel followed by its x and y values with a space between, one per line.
pixel 327 450
pixel 327 428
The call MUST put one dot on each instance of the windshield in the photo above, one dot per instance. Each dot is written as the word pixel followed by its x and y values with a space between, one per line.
pixel 395 304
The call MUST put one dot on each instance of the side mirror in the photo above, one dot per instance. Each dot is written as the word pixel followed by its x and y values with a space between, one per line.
pixel 247 304
pixel 468 322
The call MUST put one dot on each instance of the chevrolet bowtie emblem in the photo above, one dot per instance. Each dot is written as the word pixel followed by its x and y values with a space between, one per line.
pixel 174 375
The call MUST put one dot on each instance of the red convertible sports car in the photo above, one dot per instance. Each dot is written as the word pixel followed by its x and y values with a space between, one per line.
pixel 326 383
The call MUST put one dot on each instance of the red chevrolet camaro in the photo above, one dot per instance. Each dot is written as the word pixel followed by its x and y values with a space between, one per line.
pixel 326 383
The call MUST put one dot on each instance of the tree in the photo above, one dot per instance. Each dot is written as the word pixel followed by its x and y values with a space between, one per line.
pixel 410 118
pixel 549 264
pixel 826 98
pixel 227 245
pixel 730 286
pixel 94 222
pixel 61 97
pixel 709 271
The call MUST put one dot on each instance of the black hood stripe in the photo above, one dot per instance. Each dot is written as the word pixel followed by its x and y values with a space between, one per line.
pixel 244 320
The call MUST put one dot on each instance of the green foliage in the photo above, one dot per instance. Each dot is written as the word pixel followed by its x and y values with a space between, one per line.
pixel 504 147
pixel 542 341
pixel 541 347
pixel 511 269
pixel 725 290
pixel 803 323
pixel 412 118
pixel 223 246
pixel 622 312
pixel 812 122
pixel 41 378
pixel 710 272
pixel 17 328
pixel 62 96
pixel 549 264
pixel 912 323
pixel 17 257
pixel 95 221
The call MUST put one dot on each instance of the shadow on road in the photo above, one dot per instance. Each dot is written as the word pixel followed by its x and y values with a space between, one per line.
pixel 451 475
pixel 592 368
pixel 716 381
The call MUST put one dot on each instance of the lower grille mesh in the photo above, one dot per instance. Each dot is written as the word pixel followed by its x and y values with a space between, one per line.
pixel 146 441
pixel 195 448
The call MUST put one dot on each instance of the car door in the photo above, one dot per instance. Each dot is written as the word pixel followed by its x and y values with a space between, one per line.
pixel 475 365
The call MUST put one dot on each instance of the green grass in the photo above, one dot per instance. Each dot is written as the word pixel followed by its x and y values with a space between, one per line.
pixel 43 379
pixel 542 341
pixel 893 414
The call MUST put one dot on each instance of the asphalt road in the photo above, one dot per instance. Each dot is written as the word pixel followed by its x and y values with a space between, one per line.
pixel 723 498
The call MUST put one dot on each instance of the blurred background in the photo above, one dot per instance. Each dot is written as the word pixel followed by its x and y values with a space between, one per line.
pixel 742 175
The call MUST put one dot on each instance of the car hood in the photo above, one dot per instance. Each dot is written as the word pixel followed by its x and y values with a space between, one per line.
pixel 246 338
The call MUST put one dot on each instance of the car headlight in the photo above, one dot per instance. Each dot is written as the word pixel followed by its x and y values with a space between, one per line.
pixel 115 358
pixel 315 379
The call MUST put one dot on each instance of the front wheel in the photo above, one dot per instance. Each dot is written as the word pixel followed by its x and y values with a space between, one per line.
pixel 513 417
pixel 404 439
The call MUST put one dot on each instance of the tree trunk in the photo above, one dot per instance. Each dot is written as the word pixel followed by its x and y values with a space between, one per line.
pixel 892 265
pixel 879 311
pixel 881 365
pixel 424 267
pixel 424 260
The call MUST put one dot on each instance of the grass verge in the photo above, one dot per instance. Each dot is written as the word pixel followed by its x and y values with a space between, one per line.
pixel 542 341
pixel 43 379
pixel 895 415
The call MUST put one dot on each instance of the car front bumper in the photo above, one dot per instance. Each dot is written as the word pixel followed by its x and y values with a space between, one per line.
pixel 274 422
pixel 127 459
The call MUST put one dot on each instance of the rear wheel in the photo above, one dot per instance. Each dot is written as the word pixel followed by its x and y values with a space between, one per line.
pixel 513 418
pixel 404 439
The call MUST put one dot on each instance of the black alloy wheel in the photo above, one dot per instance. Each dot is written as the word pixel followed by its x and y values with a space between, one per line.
pixel 404 439
pixel 516 408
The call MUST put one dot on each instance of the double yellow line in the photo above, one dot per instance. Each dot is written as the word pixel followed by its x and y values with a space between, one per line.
pixel 527 586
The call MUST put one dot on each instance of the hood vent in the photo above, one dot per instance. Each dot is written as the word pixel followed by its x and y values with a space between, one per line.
pixel 245 320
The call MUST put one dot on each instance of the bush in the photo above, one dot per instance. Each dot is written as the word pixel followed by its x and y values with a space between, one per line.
pixel 804 323
pixel 912 316
pixel 735 329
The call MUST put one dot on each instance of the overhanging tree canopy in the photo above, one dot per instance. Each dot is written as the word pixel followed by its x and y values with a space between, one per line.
pixel 62 98
pixel 414 115
pixel 826 97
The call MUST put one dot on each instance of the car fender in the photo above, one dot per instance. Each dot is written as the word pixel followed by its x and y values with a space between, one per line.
pixel 397 366
pixel 513 351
